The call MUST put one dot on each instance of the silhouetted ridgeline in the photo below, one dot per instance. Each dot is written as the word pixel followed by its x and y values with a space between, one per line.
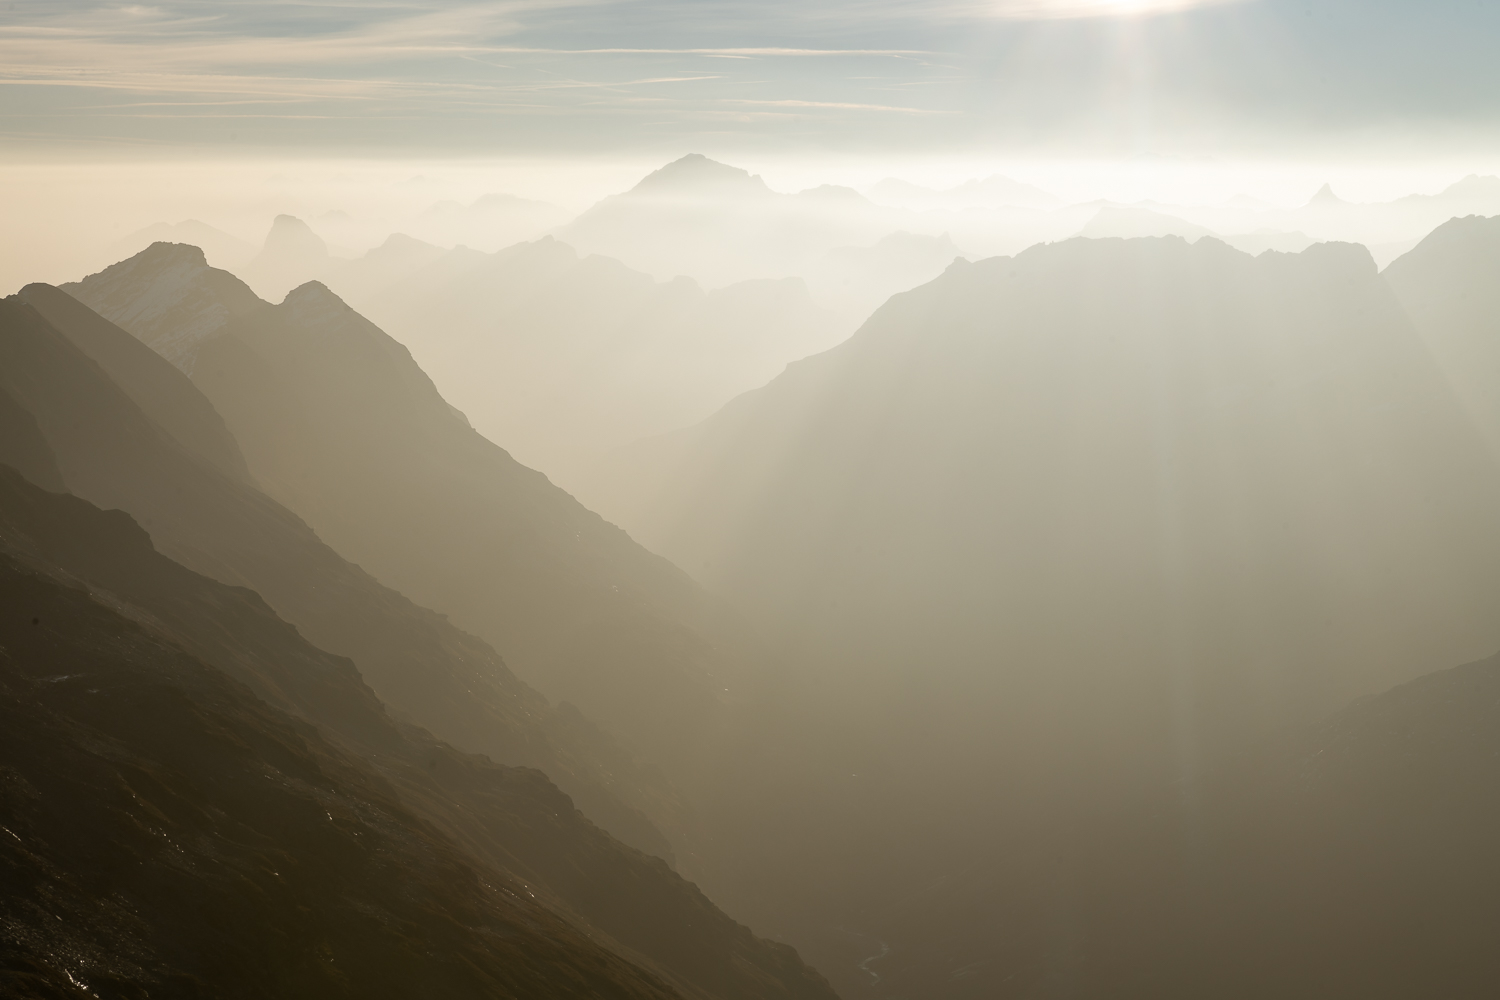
pixel 472 816
pixel 1447 284
pixel 1057 529
pixel 509 820
pixel 112 454
pixel 1066 569
pixel 337 422
pixel 171 835
pixel 1248 466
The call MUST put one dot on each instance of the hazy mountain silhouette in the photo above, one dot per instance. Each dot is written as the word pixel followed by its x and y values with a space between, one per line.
pixel 510 820
pixel 110 453
pixel 1447 284
pixel 292 254
pixel 992 428
pixel 1127 222
pixel 338 422
pixel 697 175
pixel 1056 527
pixel 563 357
pixel 856 281
pixel 1325 198
pixel 491 222
pixel 1389 228
pixel 994 191
pixel 222 249
pixel 720 224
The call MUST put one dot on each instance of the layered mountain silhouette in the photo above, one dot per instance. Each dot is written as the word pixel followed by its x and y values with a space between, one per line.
pixel 994 191
pixel 172 835
pixel 230 810
pixel 994 450
pixel 108 451
pixel 1059 527
pixel 720 224
pixel 223 249
pixel 490 222
pixel 338 422
pixel 1127 222
pixel 1052 636
pixel 563 357
pixel 291 254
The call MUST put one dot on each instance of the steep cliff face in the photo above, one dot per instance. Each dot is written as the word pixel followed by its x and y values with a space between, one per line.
pixel 504 820
pixel 339 423
pixel 110 453
pixel 168 834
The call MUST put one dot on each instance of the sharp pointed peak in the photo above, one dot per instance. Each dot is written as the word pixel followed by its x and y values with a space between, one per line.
pixel 289 233
pixel 1325 196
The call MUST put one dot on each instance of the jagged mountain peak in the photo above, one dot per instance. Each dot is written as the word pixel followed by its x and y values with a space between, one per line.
pixel 290 235
pixel 169 297
pixel 696 174
pixel 313 304
pixel 1325 196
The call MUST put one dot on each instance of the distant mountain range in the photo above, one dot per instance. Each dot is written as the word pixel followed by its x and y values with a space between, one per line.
pixel 564 357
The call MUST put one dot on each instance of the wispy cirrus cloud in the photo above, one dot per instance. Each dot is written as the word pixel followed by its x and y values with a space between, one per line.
pixel 938 71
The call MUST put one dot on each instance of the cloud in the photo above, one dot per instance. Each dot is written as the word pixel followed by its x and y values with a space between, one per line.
pixel 1058 10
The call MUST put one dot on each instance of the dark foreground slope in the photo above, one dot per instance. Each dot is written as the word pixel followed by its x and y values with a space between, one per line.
pixel 1355 860
pixel 506 820
pixel 170 835
pixel 112 454
pixel 1448 285
pixel 339 423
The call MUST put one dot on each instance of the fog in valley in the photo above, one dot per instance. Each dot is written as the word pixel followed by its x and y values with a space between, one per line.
pixel 750 502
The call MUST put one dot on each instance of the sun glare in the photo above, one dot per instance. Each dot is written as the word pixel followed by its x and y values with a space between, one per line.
pixel 1058 10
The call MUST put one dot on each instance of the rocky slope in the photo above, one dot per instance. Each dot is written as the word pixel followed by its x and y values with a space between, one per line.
pixel 109 452
pixel 338 422
pixel 508 820
pixel 168 834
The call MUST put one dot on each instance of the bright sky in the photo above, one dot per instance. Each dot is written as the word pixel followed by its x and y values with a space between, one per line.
pixel 114 115
pixel 1116 78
